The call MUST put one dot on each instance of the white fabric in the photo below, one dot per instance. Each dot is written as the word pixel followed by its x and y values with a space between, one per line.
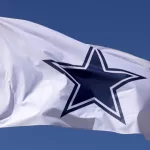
pixel 33 93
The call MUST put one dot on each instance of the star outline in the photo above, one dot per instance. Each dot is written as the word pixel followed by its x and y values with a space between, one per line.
pixel 60 67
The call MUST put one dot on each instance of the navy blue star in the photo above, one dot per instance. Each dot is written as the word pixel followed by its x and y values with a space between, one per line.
pixel 95 83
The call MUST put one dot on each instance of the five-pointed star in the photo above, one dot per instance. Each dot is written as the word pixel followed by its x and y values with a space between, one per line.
pixel 95 82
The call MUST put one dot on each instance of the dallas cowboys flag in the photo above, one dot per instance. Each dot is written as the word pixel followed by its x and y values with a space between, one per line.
pixel 47 78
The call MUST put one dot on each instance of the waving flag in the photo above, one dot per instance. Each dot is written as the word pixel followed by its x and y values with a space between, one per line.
pixel 47 78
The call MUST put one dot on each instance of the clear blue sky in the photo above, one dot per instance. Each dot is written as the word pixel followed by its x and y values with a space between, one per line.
pixel 123 25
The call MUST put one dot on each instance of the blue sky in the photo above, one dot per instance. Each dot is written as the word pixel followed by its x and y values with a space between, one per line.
pixel 123 25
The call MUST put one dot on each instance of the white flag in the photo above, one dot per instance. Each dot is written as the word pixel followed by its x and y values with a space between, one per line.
pixel 47 78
